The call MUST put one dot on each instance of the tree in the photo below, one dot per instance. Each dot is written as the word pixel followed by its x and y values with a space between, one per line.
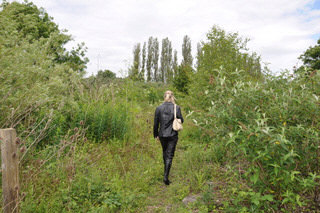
pixel 227 50
pixel 199 54
pixel 182 79
pixel 142 72
pixel 102 77
pixel 155 58
pixel 311 58
pixel 134 72
pixel 37 73
pixel 150 59
pixel 170 64
pixel 175 63
pixel 30 23
pixel 105 75
pixel 186 51
pixel 184 72
pixel 166 61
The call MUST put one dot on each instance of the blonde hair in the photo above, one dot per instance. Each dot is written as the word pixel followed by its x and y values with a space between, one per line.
pixel 169 97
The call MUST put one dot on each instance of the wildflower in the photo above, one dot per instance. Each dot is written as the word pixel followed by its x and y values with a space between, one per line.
pixel 18 140
pixel 23 149
pixel 277 142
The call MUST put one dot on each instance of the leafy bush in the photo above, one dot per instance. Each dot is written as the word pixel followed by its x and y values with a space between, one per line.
pixel 93 194
pixel 269 128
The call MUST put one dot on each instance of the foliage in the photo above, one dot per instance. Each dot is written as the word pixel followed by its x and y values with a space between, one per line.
pixel 104 77
pixel 28 23
pixel 33 74
pixel 183 78
pixel 311 58
pixel 147 59
pixel 166 74
pixel 250 141
pixel 227 50
pixel 135 69
pixel 30 80
pixel 103 121
pixel 186 52
pixel 269 128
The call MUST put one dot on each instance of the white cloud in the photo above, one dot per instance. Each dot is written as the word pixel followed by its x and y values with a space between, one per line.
pixel 280 30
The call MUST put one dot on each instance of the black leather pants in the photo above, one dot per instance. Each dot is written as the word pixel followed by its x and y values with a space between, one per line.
pixel 168 148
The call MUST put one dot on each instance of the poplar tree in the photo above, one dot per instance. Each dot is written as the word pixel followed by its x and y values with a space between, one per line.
pixel 199 54
pixel 150 59
pixel 175 63
pixel 155 58
pixel 142 72
pixel 184 72
pixel 163 59
pixel 170 63
pixel 136 61
pixel 186 51
pixel 166 61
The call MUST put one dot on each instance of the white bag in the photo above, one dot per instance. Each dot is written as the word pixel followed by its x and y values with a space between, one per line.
pixel 177 125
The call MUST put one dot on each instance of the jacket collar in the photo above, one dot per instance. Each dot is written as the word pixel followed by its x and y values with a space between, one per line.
pixel 167 103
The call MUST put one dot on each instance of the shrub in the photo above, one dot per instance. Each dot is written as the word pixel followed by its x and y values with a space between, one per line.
pixel 269 127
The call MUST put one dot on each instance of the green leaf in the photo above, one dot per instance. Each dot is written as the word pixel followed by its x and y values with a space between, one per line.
pixel 267 197
pixel 255 201
pixel 254 178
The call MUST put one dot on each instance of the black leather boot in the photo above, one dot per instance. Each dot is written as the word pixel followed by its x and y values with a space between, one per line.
pixel 168 149
pixel 167 171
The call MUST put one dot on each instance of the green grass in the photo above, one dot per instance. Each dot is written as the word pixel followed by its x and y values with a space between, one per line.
pixel 125 176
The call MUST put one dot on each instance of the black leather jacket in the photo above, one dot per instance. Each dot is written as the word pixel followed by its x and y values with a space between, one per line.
pixel 164 116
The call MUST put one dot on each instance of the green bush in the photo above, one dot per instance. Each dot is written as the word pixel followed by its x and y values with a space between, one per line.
pixel 270 127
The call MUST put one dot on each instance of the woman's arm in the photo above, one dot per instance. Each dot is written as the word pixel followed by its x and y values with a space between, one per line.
pixel 156 123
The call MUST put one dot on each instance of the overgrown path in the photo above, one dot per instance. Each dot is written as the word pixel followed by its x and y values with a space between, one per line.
pixel 126 175
pixel 197 185
pixel 191 184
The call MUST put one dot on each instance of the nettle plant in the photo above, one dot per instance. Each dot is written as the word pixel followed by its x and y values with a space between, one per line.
pixel 270 131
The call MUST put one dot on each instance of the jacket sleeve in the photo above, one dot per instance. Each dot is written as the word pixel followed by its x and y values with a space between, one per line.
pixel 179 114
pixel 156 123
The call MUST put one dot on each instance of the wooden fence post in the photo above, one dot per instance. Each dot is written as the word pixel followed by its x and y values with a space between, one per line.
pixel 10 170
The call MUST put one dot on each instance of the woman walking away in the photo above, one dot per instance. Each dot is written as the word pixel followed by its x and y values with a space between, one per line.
pixel 164 115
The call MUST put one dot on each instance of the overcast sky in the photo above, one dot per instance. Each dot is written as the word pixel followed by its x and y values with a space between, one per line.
pixel 280 30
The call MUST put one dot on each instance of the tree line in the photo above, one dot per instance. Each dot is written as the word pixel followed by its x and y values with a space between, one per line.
pixel 150 63
pixel 221 49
